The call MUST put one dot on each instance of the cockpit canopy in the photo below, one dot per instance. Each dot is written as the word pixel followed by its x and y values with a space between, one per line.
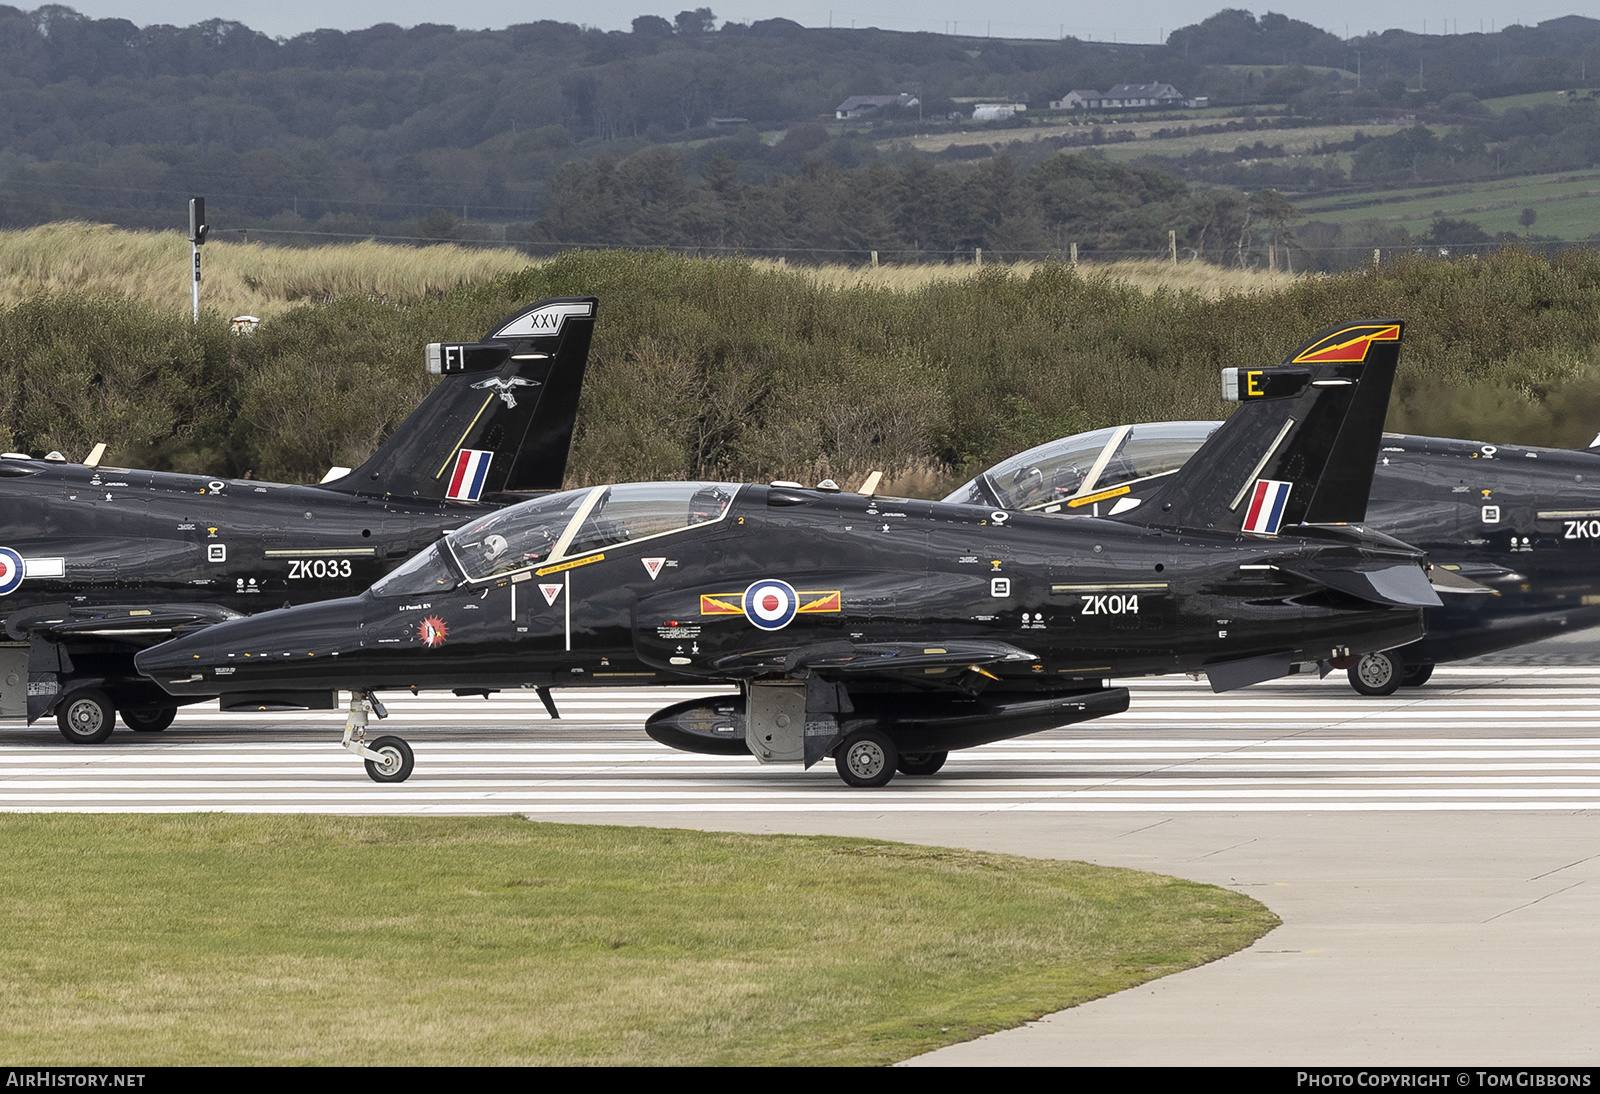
pixel 559 526
pixel 1053 476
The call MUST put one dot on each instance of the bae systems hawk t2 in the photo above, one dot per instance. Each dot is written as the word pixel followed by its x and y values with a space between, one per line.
pixel 100 562
pixel 1521 523
pixel 880 631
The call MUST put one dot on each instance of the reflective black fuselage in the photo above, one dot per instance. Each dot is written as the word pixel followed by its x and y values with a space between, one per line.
pixel 1079 600
pixel 117 560
pixel 1523 521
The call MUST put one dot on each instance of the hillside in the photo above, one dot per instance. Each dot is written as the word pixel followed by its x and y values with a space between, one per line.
pixel 434 132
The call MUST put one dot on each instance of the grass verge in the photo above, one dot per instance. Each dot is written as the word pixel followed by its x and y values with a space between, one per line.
pixel 210 939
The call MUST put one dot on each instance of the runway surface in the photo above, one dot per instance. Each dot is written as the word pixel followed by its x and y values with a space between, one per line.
pixel 1526 739
pixel 1435 855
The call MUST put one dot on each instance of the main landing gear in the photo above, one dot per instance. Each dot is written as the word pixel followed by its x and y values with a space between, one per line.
pixel 388 759
pixel 868 758
pixel 87 717
pixel 1386 673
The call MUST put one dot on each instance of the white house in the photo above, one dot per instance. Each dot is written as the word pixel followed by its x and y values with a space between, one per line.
pixel 1124 97
pixel 1077 99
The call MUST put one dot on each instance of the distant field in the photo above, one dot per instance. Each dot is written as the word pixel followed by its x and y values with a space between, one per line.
pixel 1294 141
pixel 1533 98
pixel 1568 205
pixel 1141 124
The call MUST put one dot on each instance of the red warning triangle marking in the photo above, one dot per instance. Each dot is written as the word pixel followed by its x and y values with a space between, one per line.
pixel 652 566
pixel 550 592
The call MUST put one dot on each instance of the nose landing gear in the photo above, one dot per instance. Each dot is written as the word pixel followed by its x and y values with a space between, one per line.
pixel 388 759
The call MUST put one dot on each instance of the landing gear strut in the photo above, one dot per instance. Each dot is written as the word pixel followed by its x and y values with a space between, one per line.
pixel 388 759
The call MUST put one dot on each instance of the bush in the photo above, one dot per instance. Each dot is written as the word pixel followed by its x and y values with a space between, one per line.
pixel 718 368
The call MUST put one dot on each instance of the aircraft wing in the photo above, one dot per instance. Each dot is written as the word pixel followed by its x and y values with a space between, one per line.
pixel 845 659
pixel 138 624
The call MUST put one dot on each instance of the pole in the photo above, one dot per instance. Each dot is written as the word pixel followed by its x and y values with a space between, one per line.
pixel 1172 244
pixel 1074 255
pixel 198 230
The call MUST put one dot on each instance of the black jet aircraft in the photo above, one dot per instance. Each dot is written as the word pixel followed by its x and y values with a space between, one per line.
pixel 1522 523
pixel 100 562
pixel 881 631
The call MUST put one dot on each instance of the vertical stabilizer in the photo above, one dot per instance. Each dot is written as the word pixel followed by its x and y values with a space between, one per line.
pixel 1301 448
pixel 501 418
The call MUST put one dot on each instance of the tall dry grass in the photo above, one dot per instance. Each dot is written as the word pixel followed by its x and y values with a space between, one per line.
pixel 1148 275
pixel 257 279
pixel 237 278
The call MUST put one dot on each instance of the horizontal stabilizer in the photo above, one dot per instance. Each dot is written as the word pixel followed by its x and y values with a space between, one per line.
pixel 1450 581
pixel 1400 584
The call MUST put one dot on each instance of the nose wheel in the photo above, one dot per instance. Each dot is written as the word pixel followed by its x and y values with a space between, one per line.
pixel 388 759
pixel 395 764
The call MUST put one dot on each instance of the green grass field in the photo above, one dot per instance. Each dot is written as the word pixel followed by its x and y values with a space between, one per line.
pixel 1567 204
pixel 1533 98
pixel 1295 142
pixel 212 939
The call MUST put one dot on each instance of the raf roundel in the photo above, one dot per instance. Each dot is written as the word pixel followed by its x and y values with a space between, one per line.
pixel 10 570
pixel 770 604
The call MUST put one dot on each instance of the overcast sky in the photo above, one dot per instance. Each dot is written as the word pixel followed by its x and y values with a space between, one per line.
pixel 1137 21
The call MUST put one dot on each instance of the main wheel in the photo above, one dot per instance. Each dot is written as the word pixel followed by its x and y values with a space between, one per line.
pixel 86 717
pixel 395 767
pixel 866 758
pixel 148 720
pixel 1376 674
pixel 921 763
pixel 1415 676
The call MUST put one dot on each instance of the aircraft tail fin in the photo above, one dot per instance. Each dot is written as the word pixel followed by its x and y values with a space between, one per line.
pixel 1302 447
pixel 501 418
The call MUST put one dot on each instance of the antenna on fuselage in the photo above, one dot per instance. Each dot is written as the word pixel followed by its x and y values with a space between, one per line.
pixel 869 486
pixel 96 454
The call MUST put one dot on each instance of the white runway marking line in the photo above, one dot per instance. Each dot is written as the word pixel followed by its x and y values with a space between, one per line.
pixel 1297 745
